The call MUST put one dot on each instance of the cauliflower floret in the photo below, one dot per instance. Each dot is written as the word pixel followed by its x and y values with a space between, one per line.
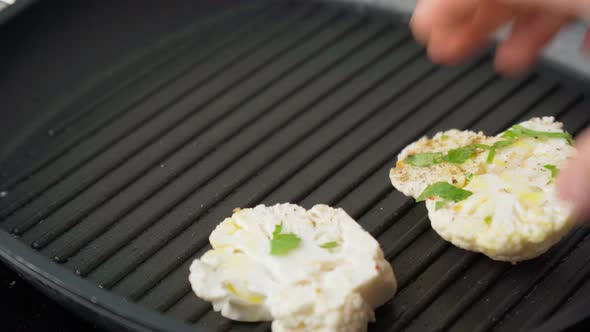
pixel 412 180
pixel 513 211
pixel 330 277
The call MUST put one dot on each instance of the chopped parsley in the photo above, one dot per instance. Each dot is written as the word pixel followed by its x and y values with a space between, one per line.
pixel 439 205
pixel 469 176
pixel 329 245
pixel 520 131
pixel 554 170
pixel 488 220
pixel 445 191
pixel 492 148
pixel 503 144
pixel 482 146
pixel 460 155
pixel 509 134
pixel 491 156
pixel 425 159
pixel 282 244
pixel 456 156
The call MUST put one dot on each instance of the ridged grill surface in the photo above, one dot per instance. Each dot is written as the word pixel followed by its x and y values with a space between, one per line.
pixel 286 102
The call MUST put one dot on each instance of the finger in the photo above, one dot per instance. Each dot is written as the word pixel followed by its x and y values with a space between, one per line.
pixel 450 43
pixel 422 20
pixel 573 181
pixel 586 43
pixel 436 13
pixel 455 13
pixel 530 33
pixel 577 8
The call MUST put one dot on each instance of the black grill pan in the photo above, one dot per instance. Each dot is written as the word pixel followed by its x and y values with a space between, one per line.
pixel 107 199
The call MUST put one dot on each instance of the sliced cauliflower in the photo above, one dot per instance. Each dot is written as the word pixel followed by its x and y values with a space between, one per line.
pixel 307 270
pixel 412 180
pixel 509 208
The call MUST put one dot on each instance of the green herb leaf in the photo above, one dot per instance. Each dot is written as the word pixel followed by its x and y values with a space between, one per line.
pixel 282 244
pixel 509 134
pixel 488 220
pixel 277 231
pixel 445 191
pixel 554 170
pixel 492 149
pixel 482 146
pixel 425 159
pixel 460 155
pixel 445 137
pixel 468 176
pixel 491 155
pixel 329 245
pixel 439 205
pixel 503 144
pixel 456 156
pixel 519 130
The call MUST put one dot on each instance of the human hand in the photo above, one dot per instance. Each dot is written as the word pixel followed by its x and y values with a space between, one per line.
pixel 573 181
pixel 454 29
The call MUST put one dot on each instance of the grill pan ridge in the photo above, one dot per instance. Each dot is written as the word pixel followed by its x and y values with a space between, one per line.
pixel 278 101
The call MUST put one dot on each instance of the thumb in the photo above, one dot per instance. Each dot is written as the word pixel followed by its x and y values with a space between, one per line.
pixel 573 181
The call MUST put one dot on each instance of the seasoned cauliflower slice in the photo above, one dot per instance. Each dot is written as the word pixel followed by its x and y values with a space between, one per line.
pixel 505 205
pixel 307 270
pixel 412 181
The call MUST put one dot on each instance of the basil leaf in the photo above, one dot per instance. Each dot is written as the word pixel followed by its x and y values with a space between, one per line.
pixel 282 244
pixel 425 159
pixel 554 170
pixel 519 130
pixel 445 191
pixel 329 245
pixel 439 205
pixel 460 155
